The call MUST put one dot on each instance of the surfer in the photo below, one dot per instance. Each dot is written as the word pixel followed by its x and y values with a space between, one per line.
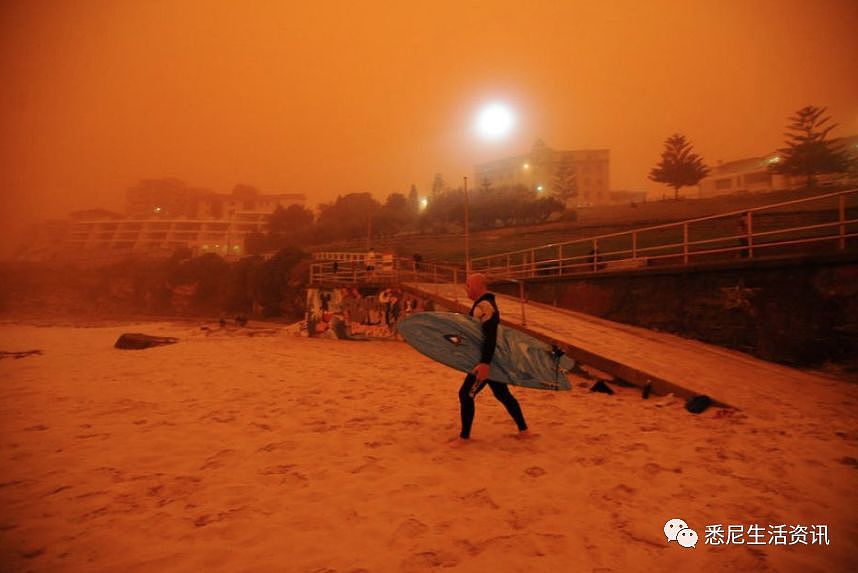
pixel 485 310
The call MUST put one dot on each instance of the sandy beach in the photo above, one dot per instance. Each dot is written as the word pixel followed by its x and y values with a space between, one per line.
pixel 229 452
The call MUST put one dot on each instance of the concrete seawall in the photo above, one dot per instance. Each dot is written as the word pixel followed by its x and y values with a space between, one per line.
pixel 798 311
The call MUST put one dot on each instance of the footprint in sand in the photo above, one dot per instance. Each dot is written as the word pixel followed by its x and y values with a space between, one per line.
pixel 218 460
pixel 601 439
pixel 58 490
pixel 273 446
pixel 289 476
pixel 361 422
pixel 621 491
pixel 370 465
pixel 652 468
pixel 535 471
pixel 166 491
pixel 31 553
pixel 321 426
pixel 849 461
pixel 407 531
pixel 467 546
pixel 278 469
pixel 531 544
pixel 479 498
pixel 429 560
pixel 37 428
pixel 219 416
pixel 206 519
pixel 377 444
pixel 101 435
pixel 8 526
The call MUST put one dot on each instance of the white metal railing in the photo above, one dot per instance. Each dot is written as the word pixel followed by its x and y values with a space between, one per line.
pixel 827 220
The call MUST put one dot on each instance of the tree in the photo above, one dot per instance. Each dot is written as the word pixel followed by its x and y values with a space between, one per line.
pixel 438 185
pixel 255 243
pixel 679 167
pixel 349 217
pixel 237 288
pixel 208 273
pixel 279 288
pixel 396 202
pixel 446 208
pixel 289 220
pixel 565 184
pixel 808 152
pixel 394 215
pixel 413 199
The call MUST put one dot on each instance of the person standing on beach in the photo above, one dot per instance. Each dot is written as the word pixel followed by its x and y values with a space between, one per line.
pixel 485 310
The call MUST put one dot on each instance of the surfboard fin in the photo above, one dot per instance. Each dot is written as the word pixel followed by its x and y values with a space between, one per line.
pixel 561 361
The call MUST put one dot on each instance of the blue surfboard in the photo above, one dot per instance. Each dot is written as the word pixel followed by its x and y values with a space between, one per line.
pixel 456 340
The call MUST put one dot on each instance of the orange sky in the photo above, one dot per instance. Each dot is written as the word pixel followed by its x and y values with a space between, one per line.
pixel 328 98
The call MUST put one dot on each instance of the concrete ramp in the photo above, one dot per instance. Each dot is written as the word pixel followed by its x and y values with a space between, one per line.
pixel 670 363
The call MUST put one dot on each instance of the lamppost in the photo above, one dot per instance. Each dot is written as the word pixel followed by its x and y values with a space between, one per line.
pixel 467 235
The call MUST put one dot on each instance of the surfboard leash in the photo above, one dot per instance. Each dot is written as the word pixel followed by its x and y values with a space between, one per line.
pixel 556 355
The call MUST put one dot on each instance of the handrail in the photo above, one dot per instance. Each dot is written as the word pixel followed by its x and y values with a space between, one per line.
pixel 332 270
pixel 524 262
pixel 674 224
pixel 350 266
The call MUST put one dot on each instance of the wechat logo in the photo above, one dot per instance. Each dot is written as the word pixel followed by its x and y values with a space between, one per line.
pixel 678 530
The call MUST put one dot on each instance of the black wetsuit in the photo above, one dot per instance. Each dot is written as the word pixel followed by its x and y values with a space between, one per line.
pixel 501 391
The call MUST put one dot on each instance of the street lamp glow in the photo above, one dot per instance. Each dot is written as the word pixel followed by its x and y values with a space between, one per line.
pixel 424 202
pixel 495 121
pixel 539 188
pixel 526 166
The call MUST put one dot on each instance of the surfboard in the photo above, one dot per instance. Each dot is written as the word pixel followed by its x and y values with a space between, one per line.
pixel 456 340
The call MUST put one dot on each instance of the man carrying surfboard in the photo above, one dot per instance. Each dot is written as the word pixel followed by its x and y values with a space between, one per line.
pixel 485 310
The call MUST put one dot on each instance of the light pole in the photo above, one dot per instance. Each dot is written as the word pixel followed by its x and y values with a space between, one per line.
pixel 369 231
pixel 467 234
